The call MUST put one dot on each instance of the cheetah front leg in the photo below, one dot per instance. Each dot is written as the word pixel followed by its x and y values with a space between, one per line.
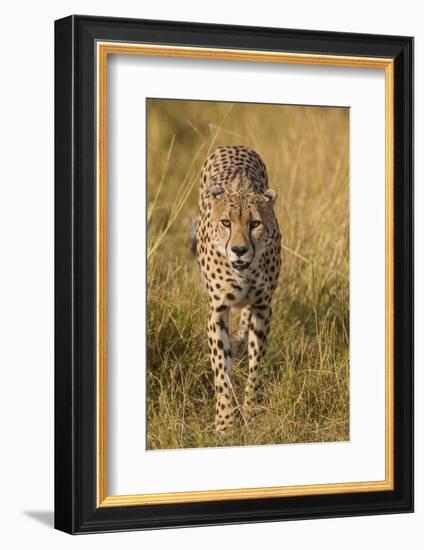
pixel 258 332
pixel 220 353
pixel 238 345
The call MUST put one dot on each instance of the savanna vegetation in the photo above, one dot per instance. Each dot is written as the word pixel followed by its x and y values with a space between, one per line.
pixel 304 390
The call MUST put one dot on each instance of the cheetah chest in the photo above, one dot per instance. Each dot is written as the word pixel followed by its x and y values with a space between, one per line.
pixel 239 291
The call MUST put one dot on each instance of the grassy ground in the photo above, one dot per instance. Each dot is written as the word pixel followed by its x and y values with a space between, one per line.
pixel 304 393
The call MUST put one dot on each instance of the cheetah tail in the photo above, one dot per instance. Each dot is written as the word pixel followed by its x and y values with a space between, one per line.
pixel 193 236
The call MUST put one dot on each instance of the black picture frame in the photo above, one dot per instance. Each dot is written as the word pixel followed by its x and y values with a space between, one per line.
pixel 76 508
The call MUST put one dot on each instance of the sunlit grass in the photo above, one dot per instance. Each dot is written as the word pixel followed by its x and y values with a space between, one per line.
pixel 304 392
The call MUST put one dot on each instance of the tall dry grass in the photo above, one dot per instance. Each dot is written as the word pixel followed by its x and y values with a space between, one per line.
pixel 304 392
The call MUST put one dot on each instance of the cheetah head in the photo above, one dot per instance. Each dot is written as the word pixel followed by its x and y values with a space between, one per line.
pixel 242 224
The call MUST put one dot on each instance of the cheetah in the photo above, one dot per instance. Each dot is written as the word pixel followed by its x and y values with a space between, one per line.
pixel 238 248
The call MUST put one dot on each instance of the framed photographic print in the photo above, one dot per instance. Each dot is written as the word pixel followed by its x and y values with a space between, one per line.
pixel 234 274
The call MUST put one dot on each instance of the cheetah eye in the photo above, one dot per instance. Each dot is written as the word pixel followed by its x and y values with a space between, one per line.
pixel 225 223
pixel 254 224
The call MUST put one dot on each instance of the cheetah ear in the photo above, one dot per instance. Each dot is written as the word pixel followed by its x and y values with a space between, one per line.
pixel 270 195
pixel 217 192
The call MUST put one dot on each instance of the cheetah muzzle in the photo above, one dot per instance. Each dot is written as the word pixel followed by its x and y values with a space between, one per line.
pixel 238 250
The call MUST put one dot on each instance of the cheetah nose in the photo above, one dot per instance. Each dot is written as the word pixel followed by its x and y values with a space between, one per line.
pixel 239 250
